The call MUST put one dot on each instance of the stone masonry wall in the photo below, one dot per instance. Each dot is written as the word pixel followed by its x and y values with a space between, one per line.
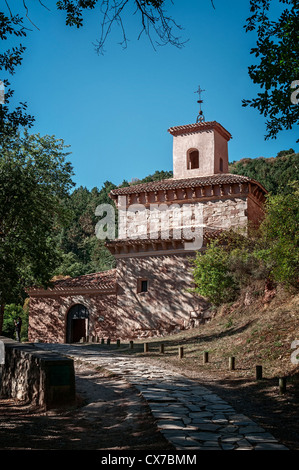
pixel 167 306
pixel 48 315
pixel 214 214
pixel 36 377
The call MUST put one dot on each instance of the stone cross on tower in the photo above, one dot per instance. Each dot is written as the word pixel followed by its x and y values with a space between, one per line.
pixel 200 117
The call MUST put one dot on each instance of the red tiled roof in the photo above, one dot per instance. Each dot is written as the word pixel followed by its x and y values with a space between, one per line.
pixel 199 126
pixel 101 281
pixel 221 178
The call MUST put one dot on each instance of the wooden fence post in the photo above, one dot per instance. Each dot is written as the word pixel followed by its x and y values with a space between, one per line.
pixel 282 385
pixel 205 358
pixel 259 372
pixel 231 363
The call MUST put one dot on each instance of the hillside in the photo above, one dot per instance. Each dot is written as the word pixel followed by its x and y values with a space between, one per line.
pixel 274 174
pixel 257 329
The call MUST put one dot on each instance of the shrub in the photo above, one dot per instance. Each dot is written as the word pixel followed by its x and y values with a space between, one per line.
pixel 11 313
pixel 270 253
pixel 211 275
pixel 280 233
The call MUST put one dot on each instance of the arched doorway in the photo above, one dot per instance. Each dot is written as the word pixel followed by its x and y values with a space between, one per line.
pixel 77 323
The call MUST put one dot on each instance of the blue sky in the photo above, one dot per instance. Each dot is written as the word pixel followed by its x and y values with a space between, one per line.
pixel 114 109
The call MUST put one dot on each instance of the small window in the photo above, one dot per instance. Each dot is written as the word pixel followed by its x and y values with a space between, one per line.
pixel 220 164
pixel 192 159
pixel 142 285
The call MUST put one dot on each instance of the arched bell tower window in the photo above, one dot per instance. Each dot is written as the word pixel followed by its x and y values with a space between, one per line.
pixel 192 159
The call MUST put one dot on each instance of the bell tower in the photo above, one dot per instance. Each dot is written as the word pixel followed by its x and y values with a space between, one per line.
pixel 199 149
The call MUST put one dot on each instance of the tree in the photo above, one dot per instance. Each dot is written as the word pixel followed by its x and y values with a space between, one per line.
pixel 277 49
pixel 11 313
pixel 157 176
pixel 212 276
pixel 280 231
pixel 153 19
pixel 82 252
pixel 275 174
pixel 35 178
pixel 12 25
pixel 270 253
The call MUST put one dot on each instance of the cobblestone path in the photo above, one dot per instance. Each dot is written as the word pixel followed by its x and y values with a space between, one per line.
pixel 189 415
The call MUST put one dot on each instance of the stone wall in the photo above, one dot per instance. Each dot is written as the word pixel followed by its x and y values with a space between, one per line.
pixel 142 222
pixel 37 377
pixel 48 315
pixel 167 306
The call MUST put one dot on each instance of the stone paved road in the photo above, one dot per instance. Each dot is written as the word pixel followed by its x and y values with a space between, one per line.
pixel 189 415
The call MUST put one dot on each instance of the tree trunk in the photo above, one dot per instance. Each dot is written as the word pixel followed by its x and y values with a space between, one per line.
pixel 1 317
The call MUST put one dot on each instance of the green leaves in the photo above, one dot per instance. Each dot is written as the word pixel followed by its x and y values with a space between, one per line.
pixel 270 254
pixel 10 26
pixel 34 180
pixel 280 231
pixel 82 252
pixel 277 49
pixel 212 277
pixel 274 174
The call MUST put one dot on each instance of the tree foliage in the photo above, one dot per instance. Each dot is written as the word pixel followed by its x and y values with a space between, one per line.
pixel 270 253
pixel 12 26
pixel 280 232
pixel 153 19
pixel 35 179
pixel 277 67
pixel 157 176
pixel 275 174
pixel 11 313
pixel 82 251
pixel 211 275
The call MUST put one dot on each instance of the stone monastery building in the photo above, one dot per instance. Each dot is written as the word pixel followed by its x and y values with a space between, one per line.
pixel 162 225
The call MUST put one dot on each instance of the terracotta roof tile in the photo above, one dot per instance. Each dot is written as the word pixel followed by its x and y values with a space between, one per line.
pixel 221 178
pixel 199 126
pixel 105 280
pixel 91 280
